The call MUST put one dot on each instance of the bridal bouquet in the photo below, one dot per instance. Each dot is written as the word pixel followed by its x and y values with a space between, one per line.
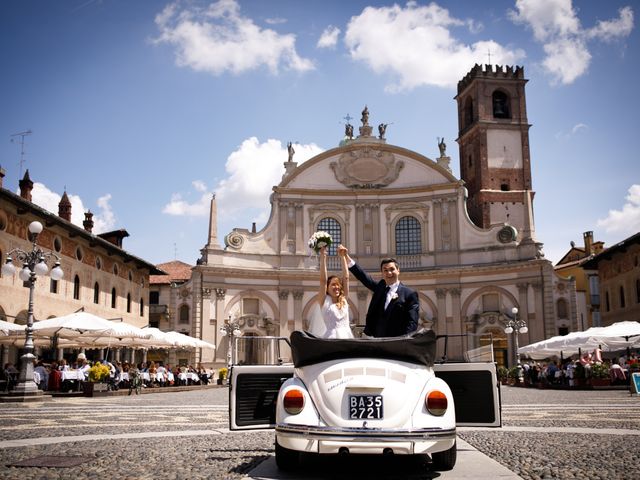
pixel 319 240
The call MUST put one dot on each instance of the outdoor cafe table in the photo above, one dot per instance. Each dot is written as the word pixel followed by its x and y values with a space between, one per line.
pixel 72 375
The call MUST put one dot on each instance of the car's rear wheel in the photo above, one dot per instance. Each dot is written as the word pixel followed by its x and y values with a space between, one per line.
pixel 286 459
pixel 445 460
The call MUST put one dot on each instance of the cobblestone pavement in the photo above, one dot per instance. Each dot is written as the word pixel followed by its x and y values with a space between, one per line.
pixel 546 434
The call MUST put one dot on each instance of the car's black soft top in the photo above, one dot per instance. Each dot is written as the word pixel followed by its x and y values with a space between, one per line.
pixel 419 348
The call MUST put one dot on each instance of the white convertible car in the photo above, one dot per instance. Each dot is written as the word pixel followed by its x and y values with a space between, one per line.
pixel 364 396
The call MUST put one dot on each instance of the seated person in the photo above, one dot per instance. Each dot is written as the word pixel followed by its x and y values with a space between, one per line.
pixel 11 374
pixel 41 370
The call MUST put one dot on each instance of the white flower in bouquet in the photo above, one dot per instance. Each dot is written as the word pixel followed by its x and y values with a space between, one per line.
pixel 319 240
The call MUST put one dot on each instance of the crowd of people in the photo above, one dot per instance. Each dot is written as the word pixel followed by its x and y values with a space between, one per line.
pixel 62 376
pixel 571 372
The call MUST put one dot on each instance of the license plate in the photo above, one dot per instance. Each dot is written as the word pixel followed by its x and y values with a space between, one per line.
pixel 365 406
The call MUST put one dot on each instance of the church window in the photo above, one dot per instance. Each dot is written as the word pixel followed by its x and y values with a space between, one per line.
pixel 622 302
pixel 79 254
pixel 500 105
pixel 57 244
pixel 408 236
pixel 76 288
pixel 504 187
pixel 184 314
pixel 332 227
pixel 561 308
pixel 53 286
pixel 128 303
pixel 96 293
pixel 141 306
pixel 113 297
pixel 490 302
pixel 606 301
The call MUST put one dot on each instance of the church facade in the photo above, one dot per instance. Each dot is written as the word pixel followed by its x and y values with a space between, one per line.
pixel 466 245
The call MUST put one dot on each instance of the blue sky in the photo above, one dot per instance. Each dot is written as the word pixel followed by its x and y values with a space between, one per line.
pixel 141 110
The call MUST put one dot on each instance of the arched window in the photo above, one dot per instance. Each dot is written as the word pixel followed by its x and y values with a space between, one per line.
pixel 113 297
pixel 332 227
pixel 76 288
pixel 96 293
pixel 501 105
pixel 128 303
pixel 184 314
pixel 561 308
pixel 638 291
pixel 141 306
pixel 606 301
pixel 408 236
pixel 622 302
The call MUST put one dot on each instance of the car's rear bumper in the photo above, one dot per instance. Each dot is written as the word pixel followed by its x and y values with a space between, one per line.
pixel 364 440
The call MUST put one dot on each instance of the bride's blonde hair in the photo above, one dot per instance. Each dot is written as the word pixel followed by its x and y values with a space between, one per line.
pixel 341 298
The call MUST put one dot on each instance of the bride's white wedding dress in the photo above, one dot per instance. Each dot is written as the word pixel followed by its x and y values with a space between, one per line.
pixel 335 319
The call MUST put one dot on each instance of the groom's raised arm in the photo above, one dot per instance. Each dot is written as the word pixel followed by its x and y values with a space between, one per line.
pixel 363 277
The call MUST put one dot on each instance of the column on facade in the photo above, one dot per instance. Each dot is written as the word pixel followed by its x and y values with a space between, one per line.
pixel 442 323
pixel 301 244
pixel 523 311
pixel 537 328
pixel 457 345
pixel 220 355
pixel 283 297
pixel 297 309
pixel 282 219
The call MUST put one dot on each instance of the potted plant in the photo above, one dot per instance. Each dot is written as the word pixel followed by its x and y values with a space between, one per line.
pixel 222 374
pixel 514 375
pixel 600 376
pixel 98 375
pixel 503 375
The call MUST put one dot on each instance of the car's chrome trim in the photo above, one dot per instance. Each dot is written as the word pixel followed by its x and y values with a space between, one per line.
pixel 367 433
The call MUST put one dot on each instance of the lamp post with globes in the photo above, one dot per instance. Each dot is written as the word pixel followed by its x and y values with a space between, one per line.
pixel 34 264
pixel 518 326
pixel 230 329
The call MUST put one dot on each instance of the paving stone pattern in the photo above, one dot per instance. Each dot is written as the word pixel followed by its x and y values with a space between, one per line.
pixel 534 443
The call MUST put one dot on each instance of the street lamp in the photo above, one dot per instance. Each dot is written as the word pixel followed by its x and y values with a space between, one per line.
pixel 517 326
pixel 34 263
pixel 230 329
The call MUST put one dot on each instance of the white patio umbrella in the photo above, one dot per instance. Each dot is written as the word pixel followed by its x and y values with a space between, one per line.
pixel 8 328
pixel 189 342
pixel 88 330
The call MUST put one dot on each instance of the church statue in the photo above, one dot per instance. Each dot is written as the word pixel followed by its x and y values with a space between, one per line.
pixel 442 146
pixel 291 152
pixel 348 131
pixel 382 128
pixel 365 117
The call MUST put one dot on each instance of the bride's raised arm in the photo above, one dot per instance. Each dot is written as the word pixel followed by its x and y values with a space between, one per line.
pixel 322 290
pixel 345 273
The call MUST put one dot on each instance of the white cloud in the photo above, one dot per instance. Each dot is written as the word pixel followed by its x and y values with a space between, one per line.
pixel 627 220
pixel 329 37
pixel 103 221
pixel 556 25
pixel 415 44
pixel 579 127
pixel 199 185
pixel 252 171
pixel 217 39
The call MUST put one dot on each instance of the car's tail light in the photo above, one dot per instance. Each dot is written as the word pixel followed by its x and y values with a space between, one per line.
pixel 293 401
pixel 436 402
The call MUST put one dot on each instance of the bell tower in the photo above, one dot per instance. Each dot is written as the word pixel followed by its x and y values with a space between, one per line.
pixel 493 138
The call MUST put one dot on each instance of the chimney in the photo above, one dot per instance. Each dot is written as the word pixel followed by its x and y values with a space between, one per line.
pixel 588 243
pixel 2 174
pixel 64 207
pixel 26 185
pixel 253 227
pixel 88 221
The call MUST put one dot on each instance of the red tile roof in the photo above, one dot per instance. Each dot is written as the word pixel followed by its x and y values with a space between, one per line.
pixel 177 271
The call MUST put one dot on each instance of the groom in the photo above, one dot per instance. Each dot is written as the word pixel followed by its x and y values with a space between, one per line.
pixel 394 307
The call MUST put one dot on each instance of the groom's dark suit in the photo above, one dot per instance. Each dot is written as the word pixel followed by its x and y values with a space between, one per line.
pixel 401 315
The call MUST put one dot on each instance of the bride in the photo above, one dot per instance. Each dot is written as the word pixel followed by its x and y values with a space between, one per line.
pixel 332 300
